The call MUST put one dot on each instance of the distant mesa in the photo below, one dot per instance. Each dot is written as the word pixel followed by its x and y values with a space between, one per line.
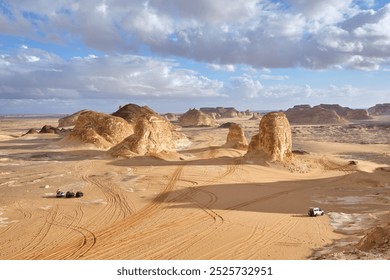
pixel 236 137
pixel 194 117
pixel 380 109
pixel 305 114
pixel 325 114
pixel 347 113
pixel 99 129
pixel 69 120
pixel 274 141
pixel 221 112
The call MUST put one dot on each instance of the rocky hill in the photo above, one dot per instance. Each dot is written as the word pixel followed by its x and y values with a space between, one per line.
pixel 305 114
pixel 221 112
pixel 194 117
pixel 380 109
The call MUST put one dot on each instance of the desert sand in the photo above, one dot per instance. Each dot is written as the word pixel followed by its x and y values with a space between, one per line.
pixel 206 202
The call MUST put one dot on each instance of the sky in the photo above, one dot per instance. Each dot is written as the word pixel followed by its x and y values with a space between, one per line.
pixel 63 56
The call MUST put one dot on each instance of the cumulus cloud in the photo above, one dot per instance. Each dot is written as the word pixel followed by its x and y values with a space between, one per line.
pixel 37 74
pixel 260 33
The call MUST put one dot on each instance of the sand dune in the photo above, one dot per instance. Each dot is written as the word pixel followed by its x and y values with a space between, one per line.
pixel 208 202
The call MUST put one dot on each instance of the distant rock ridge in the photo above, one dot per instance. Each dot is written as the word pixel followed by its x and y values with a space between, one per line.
pixel 236 137
pixel 325 114
pixel 274 141
pixel 194 117
pixel 305 114
pixel 380 109
pixel 346 112
pixel 221 112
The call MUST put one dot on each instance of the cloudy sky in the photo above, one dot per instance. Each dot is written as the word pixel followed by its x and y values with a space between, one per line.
pixel 62 56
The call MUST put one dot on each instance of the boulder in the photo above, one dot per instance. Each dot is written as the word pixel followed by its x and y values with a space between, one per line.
pixel 69 120
pixel 49 129
pixel 100 130
pixel 377 237
pixel 194 117
pixel 274 141
pixel 236 137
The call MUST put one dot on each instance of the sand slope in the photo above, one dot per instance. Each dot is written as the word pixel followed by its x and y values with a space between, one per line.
pixel 206 203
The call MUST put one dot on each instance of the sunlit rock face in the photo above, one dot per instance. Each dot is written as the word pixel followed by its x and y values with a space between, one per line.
pixel 274 140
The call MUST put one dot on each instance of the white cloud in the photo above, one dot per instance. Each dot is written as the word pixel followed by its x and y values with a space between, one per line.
pixel 106 77
pixel 219 67
pixel 259 33
pixel 273 77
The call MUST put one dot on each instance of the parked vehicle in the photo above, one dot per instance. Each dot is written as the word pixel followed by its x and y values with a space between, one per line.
pixel 60 193
pixel 315 211
pixel 79 194
pixel 69 194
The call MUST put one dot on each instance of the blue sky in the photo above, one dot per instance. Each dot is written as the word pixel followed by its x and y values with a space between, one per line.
pixel 63 56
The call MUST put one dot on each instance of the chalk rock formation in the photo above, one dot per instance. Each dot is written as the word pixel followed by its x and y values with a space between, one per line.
pixel 152 135
pixel 274 140
pixel 132 112
pixel 69 120
pixel 378 237
pixel 236 137
pixel 100 130
pixel 380 109
pixel 304 114
pixel 255 116
pixel 170 116
pixel 49 129
pixel 347 113
pixel 195 117
pixel 221 112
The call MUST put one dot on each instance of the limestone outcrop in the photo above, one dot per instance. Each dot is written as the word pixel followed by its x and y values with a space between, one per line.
pixel 305 114
pixel 194 117
pixel 236 137
pixel 69 120
pixel 100 130
pixel 274 141
pixel 132 112
pixel 325 114
pixel 151 135
pixel 380 109
pixel 221 112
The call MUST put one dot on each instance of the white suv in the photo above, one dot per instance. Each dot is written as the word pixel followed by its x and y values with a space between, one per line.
pixel 315 211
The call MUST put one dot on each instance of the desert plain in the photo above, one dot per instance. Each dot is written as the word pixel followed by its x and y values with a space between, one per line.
pixel 207 202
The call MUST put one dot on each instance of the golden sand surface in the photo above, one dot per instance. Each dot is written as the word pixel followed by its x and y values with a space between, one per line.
pixel 207 202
